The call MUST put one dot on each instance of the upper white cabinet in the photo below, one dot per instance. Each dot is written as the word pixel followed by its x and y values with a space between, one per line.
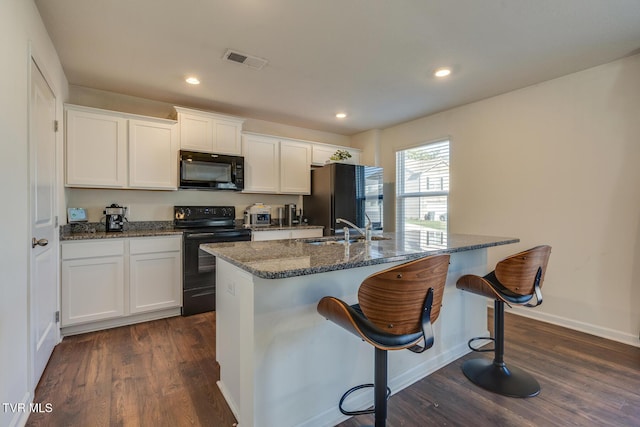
pixel 153 161
pixel 108 149
pixel 321 153
pixel 96 148
pixel 209 132
pixel 261 164
pixel 276 165
pixel 295 171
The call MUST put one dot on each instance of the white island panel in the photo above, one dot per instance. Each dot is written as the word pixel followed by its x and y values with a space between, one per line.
pixel 283 364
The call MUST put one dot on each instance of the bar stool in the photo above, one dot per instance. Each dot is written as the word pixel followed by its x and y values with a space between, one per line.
pixel 516 280
pixel 396 310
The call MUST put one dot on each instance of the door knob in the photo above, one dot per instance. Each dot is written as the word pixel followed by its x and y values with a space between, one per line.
pixel 42 242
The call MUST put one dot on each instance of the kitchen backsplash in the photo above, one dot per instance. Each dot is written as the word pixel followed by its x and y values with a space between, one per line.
pixel 158 205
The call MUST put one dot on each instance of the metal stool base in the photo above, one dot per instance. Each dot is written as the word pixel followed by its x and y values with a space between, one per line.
pixel 500 379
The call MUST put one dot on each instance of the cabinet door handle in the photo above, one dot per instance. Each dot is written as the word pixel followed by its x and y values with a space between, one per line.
pixel 42 242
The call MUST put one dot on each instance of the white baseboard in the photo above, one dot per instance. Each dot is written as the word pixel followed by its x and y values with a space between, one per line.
pixel 428 367
pixel 119 321
pixel 588 328
pixel 230 401
pixel 413 375
pixel 21 414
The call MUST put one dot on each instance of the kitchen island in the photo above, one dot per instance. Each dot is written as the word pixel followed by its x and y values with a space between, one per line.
pixel 283 364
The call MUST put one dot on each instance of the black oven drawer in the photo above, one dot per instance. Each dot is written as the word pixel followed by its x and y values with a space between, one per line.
pixel 196 301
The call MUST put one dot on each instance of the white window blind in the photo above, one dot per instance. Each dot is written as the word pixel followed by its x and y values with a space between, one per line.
pixel 422 187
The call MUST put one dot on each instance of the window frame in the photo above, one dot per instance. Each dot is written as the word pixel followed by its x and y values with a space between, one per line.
pixel 402 196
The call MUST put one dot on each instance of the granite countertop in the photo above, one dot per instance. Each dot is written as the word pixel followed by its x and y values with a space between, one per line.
pixel 284 227
pixel 278 259
pixel 96 230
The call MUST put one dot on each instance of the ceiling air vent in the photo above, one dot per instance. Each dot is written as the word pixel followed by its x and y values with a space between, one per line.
pixel 244 59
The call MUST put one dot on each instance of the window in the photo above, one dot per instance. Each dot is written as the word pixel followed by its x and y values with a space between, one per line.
pixel 422 187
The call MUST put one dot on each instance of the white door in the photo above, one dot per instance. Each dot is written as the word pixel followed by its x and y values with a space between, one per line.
pixel 43 295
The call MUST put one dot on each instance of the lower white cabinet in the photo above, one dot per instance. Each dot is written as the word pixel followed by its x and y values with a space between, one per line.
pixel 154 271
pixel 303 233
pixel 93 281
pixel 118 280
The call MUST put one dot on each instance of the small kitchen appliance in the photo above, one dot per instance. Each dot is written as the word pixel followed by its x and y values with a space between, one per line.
pixel 115 217
pixel 291 215
pixel 209 171
pixel 258 215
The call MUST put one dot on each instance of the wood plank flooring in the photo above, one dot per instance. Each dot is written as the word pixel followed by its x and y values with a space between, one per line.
pixel 163 373
pixel 160 373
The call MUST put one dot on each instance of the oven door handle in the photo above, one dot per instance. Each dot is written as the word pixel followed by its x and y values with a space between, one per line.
pixel 215 235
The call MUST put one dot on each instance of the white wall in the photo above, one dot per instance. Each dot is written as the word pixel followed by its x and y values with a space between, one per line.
pixel 20 26
pixel 369 143
pixel 158 205
pixel 556 163
pixel 118 102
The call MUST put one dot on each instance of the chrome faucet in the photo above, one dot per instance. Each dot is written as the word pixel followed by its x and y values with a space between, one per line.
pixel 366 232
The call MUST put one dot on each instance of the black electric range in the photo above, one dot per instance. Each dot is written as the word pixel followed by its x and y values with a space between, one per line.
pixel 203 224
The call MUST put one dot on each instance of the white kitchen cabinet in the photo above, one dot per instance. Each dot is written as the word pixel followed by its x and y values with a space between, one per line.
pixel 321 153
pixel 93 285
pixel 109 149
pixel 276 165
pixel 153 148
pixel 155 272
pixel 119 281
pixel 301 233
pixel 96 149
pixel 295 170
pixel 261 164
pixel 209 132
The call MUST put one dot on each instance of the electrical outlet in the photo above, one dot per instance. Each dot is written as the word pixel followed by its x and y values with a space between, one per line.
pixel 231 288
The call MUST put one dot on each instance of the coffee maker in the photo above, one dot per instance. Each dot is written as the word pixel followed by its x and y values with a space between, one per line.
pixel 115 217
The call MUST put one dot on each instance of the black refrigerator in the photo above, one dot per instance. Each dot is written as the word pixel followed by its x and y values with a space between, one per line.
pixel 345 191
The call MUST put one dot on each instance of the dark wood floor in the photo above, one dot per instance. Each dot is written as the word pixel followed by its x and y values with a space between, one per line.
pixel 160 373
pixel 163 373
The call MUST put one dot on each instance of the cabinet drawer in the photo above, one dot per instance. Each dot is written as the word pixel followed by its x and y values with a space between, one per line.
pixel 97 248
pixel 155 244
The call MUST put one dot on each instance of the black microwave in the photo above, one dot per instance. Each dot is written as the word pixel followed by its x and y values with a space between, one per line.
pixel 208 171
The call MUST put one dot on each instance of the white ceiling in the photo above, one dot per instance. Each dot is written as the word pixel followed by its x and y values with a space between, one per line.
pixel 372 59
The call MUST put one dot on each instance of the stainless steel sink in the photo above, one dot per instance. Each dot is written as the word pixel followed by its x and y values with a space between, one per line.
pixel 330 241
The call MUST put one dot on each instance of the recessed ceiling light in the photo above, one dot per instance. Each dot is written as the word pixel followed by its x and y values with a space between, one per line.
pixel 341 115
pixel 193 80
pixel 442 72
